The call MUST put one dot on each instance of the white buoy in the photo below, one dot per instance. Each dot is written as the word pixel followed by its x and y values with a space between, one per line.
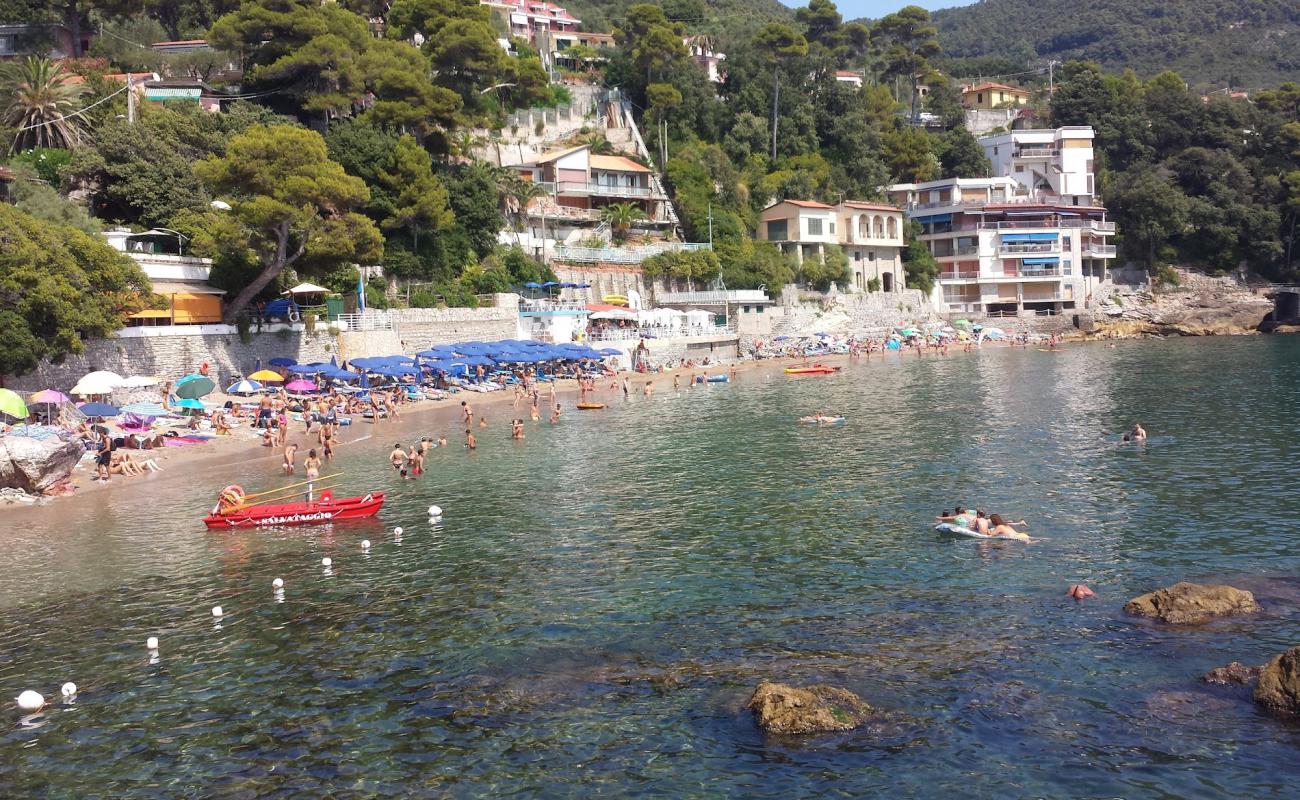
pixel 278 583
pixel 151 643
pixel 69 689
pixel 325 562
pixel 30 701
pixel 435 511
pixel 397 531
pixel 365 544
pixel 216 611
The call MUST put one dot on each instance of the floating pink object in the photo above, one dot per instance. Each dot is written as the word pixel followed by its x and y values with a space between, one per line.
pixel 1080 592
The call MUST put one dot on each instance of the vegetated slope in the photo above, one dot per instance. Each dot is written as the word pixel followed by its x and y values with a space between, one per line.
pixel 728 18
pixel 1242 43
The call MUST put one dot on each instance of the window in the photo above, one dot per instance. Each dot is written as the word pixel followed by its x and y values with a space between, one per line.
pixel 814 227
pixel 871 255
pixel 979 98
pixel 891 225
pixel 832 227
pixel 857 255
pixel 864 229
pixel 745 309
pixel 759 309
pixel 777 230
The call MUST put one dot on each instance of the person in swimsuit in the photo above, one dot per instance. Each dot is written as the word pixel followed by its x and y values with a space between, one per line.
pixel 1136 434
pixel 1003 529
pixel 290 454
pixel 398 457
pixel 466 413
pixel 416 461
pixel 442 440
pixel 312 467
pixel 471 443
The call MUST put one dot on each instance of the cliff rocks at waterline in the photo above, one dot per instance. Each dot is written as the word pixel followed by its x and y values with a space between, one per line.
pixel 35 465
pixel 1192 603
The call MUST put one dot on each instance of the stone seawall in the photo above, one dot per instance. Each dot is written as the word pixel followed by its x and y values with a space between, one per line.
pixel 170 356
pixel 419 328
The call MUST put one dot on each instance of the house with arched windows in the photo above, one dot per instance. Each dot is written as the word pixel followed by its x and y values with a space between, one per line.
pixel 870 234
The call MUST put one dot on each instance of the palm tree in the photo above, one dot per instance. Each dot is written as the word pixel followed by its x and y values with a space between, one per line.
pixel 620 217
pixel 41 104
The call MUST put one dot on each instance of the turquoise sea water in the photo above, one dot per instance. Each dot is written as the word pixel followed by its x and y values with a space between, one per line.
pixel 600 600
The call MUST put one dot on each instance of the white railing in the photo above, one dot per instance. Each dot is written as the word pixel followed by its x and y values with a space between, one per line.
pixel 957 276
pixel 1036 152
pixel 656 332
pixel 714 298
pixel 1011 249
pixel 527 306
pixel 1101 250
pixel 368 320
pixel 623 255
pixel 1101 227
pixel 606 190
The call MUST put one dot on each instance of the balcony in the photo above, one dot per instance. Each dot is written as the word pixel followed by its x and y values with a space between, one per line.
pixel 956 275
pixel 1099 250
pixel 579 188
pixel 1073 224
pixel 1039 247
pixel 713 298
pixel 1037 152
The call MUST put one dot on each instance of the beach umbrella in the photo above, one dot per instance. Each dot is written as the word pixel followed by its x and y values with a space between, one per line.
pixel 48 397
pixel 282 362
pixel 101 382
pixel 194 386
pixel 532 285
pixel 244 387
pixel 189 404
pixel 99 410
pixel 611 351
pixel 266 375
pixel 139 382
pixel 12 404
pixel 300 386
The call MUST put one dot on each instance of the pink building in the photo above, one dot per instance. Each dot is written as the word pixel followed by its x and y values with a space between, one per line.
pixel 526 18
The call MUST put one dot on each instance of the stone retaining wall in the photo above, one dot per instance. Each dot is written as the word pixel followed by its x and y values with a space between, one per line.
pixel 420 328
pixel 171 356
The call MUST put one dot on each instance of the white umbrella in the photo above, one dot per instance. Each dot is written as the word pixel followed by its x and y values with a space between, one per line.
pixel 101 382
pixel 307 288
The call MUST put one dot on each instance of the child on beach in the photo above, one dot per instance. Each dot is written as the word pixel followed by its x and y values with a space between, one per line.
pixel 555 415
pixel 471 443
pixel 482 422
pixel 649 389
pixel 517 429
pixel 290 453
pixel 442 440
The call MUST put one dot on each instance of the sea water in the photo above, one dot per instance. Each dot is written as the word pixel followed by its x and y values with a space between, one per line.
pixel 593 611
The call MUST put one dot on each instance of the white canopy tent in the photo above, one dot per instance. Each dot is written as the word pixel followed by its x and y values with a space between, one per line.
pixel 307 288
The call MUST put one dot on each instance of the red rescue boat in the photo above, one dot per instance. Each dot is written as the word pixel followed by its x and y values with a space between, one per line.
pixel 231 512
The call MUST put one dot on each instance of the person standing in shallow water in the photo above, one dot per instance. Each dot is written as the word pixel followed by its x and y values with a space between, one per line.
pixel 471 444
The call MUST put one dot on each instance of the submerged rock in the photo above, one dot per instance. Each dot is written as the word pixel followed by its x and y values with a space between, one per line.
pixel 1235 674
pixel 1192 603
pixel 1279 683
pixel 35 465
pixel 782 709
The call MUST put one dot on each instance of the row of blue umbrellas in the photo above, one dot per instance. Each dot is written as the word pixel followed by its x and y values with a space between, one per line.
pixel 556 285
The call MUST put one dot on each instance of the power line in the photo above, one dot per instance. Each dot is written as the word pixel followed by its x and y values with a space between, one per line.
pixel 76 113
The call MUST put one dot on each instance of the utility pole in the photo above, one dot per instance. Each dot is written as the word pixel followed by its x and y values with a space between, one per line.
pixel 130 99
pixel 710 224
pixel 1051 78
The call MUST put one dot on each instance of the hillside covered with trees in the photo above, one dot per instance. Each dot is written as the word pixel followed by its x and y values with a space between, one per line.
pixel 1245 43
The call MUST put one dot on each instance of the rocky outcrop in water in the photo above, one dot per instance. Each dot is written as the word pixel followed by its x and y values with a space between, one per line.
pixel 35 465
pixel 1192 603
pixel 782 709
pixel 1279 683
pixel 1235 674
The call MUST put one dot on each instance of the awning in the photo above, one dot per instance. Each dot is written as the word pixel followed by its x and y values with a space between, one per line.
pixel 934 218
pixel 307 288
pixel 176 287
pixel 1041 261
pixel 1008 238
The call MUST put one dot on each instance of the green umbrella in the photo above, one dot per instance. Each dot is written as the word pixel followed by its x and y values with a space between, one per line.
pixel 963 322
pixel 192 387
pixel 12 404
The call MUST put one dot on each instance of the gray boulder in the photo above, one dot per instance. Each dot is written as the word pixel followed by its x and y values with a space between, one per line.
pixel 1192 603
pixel 1235 674
pixel 34 465
pixel 782 709
pixel 1279 683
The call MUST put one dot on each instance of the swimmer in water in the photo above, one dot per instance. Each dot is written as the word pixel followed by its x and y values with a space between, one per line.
pixel 1003 529
pixel 1136 434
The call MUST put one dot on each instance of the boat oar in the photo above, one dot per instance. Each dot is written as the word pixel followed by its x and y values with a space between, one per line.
pixel 316 490
pixel 291 486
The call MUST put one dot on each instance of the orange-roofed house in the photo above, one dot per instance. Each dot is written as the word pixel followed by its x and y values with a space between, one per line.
pixel 870 235
pixel 990 95
pixel 581 183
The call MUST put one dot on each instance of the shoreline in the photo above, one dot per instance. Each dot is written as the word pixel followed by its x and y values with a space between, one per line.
pixel 428 417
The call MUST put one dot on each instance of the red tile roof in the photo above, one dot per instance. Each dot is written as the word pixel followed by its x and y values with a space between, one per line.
pixel 871 206
pixel 986 85
pixel 803 204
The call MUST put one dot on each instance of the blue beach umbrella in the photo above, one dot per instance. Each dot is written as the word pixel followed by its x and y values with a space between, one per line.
pixel 610 351
pixel 194 386
pixel 281 361
pixel 190 403
pixel 99 410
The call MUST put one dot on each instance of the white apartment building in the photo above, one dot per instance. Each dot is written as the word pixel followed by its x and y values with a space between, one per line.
pixel 1032 240
pixel 1051 165
pixel 870 234
pixel 1000 251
